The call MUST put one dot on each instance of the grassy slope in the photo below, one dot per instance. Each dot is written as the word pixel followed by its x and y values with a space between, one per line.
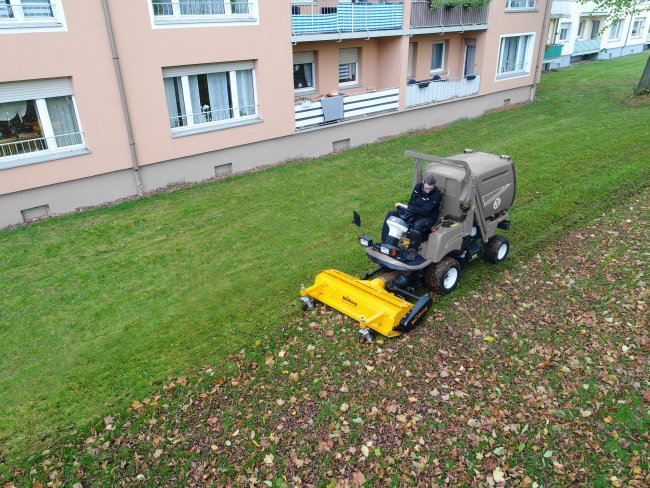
pixel 96 307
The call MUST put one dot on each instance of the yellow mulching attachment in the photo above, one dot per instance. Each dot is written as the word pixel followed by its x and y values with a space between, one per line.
pixel 366 301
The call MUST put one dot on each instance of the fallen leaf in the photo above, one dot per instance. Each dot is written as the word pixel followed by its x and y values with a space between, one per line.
pixel 498 475
pixel 345 407
pixel 268 459
pixel 358 478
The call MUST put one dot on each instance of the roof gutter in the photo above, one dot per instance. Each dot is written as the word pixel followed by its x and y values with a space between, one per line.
pixel 125 106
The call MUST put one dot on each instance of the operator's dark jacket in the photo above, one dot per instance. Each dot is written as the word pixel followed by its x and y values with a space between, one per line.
pixel 425 206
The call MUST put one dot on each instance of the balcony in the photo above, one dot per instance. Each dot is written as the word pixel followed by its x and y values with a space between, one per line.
pixel 427 20
pixel 561 9
pixel 428 92
pixel 588 46
pixel 592 9
pixel 553 51
pixel 335 20
pixel 310 114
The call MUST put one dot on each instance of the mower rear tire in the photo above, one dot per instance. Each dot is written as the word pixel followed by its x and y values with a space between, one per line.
pixel 443 277
pixel 497 249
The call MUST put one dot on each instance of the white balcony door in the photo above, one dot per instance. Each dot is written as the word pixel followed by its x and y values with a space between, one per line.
pixel 470 57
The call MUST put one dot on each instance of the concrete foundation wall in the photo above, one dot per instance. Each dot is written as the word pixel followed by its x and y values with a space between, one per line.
pixel 69 196
pixel 620 51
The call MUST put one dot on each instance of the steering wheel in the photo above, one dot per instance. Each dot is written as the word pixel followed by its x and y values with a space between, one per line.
pixel 406 214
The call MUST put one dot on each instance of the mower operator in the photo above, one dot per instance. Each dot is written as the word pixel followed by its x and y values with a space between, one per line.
pixel 423 206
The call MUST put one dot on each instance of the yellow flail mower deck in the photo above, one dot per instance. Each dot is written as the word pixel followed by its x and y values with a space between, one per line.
pixel 368 302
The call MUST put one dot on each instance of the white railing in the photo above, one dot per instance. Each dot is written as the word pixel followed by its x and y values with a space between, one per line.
pixel 27 12
pixel 331 17
pixel 209 116
pixel 26 146
pixel 310 114
pixel 430 91
pixel 205 8
pixel 520 4
pixel 423 16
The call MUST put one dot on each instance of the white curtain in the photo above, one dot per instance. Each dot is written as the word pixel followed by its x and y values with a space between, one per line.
pixel 8 111
pixel 195 97
pixel 162 7
pixel 174 95
pixel 64 121
pixel 239 6
pixel 509 54
pixel 202 7
pixel 309 76
pixel 218 92
pixel 37 8
pixel 246 92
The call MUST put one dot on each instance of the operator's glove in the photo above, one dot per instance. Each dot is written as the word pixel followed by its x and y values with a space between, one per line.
pixel 400 205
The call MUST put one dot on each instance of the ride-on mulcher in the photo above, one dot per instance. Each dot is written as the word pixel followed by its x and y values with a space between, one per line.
pixel 478 191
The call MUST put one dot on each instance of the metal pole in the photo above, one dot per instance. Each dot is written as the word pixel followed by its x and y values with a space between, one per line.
pixel 542 43
pixel 125 107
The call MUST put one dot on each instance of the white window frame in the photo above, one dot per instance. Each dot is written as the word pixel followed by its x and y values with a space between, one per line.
pixel 177 19
pixel 21 21
pixel 311 88
pixel 567 26
pixel 53 150
pixel 193 127
pixel 526 57
pixel 582 25
pixel 520 5
pixel 355 68
pixel 441 69
pixel 615 30
pixel 639 26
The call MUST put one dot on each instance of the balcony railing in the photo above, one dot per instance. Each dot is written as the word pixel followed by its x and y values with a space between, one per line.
pixel 428 92
pixel 588 46
pixel 333 17
pixel 27 12
pixel 561 9
pixel 208 116
pixel 310 114
pixel 553 51
pixel 423 16
pixel 26 146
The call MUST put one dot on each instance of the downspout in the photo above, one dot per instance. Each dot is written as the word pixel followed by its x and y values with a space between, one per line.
pixel 125 107
pixel 542 43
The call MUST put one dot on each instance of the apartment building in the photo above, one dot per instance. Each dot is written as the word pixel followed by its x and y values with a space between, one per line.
pixel 106 99
pixel 581 31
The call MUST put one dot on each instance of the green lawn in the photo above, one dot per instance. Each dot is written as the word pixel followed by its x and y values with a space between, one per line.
pixel 97 307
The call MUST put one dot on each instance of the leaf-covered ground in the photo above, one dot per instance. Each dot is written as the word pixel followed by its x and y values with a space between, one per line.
pixel 540 376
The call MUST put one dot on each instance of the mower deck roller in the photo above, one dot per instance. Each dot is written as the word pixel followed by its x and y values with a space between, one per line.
pixel 366 301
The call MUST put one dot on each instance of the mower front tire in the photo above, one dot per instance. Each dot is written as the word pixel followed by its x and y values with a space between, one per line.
pixel 443 277
pixel 497 249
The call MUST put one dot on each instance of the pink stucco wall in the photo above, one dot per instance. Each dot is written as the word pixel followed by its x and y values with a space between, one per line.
pixel 379 63
pixel 509 23
pixel 82 53
pixel 145 51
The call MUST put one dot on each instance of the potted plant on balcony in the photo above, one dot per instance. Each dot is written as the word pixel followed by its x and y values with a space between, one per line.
pixel 303 101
